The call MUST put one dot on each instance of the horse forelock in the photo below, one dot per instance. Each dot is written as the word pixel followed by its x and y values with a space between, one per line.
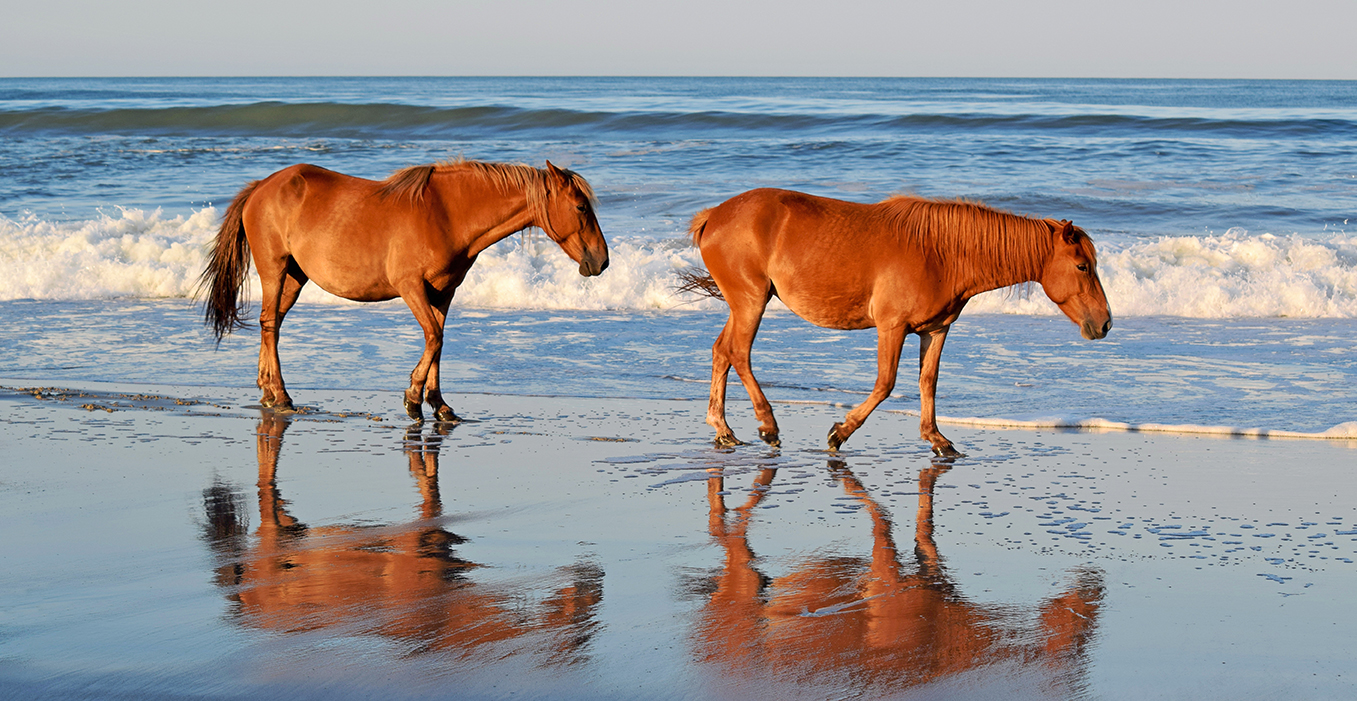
pixel 972 239
pixel 1085 243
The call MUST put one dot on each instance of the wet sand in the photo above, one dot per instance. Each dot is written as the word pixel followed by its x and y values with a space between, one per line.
pixel 172 542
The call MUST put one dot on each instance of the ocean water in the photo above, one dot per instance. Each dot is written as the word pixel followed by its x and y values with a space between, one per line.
pixel 1225 213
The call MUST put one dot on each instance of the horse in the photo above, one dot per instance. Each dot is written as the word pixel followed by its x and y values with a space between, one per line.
pixel 414 236
pixel 903 265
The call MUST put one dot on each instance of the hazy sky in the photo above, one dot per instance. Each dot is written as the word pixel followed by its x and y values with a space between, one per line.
pixel 1000 38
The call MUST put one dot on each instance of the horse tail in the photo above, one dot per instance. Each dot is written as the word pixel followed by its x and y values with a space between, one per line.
pixel 227 265
pixel 699 225
pixel 698 281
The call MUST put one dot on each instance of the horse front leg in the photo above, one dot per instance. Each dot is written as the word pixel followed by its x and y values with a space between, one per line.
pixel 417 299
pixel 930 354
pixel 432 394
pixel 889 340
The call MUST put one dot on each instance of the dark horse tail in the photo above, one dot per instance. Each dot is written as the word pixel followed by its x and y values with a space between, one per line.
pixel 227 266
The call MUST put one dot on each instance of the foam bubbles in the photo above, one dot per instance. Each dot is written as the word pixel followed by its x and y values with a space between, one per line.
pixel 1233 275
pixel 134 253
pixel 131 254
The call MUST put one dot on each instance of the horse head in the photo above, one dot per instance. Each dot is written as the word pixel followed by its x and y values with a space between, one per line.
pixel 1070 279
pixel 570 220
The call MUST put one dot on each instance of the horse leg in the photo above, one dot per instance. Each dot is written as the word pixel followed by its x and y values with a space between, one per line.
pixel 280 291
pixel 442 412
pixel 716 405
pixel 930 353
pixel 292 289
pixel 888 343
pixel 733 347
pixel 417 299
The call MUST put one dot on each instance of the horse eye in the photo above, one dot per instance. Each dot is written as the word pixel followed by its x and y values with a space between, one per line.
pixel 582 208
pixel 1083 267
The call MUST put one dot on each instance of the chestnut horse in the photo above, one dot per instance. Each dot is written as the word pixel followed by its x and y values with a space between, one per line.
pixel 412 236
pixel 905 265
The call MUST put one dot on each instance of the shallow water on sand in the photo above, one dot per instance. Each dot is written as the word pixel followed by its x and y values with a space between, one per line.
pixel 170 541
pixel 1271 374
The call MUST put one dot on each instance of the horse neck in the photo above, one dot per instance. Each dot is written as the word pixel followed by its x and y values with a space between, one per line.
pixel 483 213
pixel 982 250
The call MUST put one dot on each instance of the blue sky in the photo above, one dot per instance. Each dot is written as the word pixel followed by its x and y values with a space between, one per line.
pixel 1001 38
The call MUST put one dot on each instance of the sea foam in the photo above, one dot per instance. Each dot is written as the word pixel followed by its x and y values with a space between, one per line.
pixel 1346 431
pixel 136 253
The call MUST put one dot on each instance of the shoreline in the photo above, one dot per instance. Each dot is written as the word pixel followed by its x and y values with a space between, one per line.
pixel 1344 434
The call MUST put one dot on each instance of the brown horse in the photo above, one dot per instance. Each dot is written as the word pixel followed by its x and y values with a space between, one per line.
pixel 905 265
pixel 412 236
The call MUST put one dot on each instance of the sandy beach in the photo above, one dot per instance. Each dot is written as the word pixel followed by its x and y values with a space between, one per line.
pixel 173 542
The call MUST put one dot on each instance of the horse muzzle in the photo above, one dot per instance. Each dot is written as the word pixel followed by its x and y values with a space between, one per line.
pixel 1092 331
pixel 591 264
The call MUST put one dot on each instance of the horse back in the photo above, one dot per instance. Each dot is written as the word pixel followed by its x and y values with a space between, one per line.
pixel 789 224
pixel 331 225
pixel 831 261
pixel 304 190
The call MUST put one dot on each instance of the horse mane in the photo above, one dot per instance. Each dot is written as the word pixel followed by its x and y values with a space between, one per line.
pixel 969 237
pixel 407 184
pixel 410 184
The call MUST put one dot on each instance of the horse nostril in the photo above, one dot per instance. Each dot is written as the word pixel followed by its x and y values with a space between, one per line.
pixel 1107 327
pixel 603 267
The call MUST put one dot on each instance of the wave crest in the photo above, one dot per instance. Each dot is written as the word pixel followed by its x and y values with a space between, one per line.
pixel 392 121
pixel 135 253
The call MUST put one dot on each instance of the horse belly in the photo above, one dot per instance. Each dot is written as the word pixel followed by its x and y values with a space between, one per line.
pixel 830 309
pixel 346 277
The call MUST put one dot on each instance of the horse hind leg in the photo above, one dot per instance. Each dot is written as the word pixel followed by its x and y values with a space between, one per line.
pixel 280 292
pixel 732 349
pixel 716 404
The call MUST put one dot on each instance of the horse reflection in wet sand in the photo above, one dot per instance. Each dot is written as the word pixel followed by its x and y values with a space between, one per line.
pixel 402 581
pixel 905 265
pixel 875 625
pixel 414 236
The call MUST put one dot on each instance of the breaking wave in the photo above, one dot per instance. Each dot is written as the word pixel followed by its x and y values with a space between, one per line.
pixel 146 254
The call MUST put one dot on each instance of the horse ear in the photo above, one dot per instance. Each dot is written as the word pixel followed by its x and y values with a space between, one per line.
pixel 556 173
pixel 1067 231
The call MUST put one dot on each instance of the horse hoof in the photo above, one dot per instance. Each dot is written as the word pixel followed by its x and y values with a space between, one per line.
pixel 446 415
pixel 770 437
pixel 947 451
pixel 414 410
pixel 727 440
pixel 834 440
pixel 272 402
